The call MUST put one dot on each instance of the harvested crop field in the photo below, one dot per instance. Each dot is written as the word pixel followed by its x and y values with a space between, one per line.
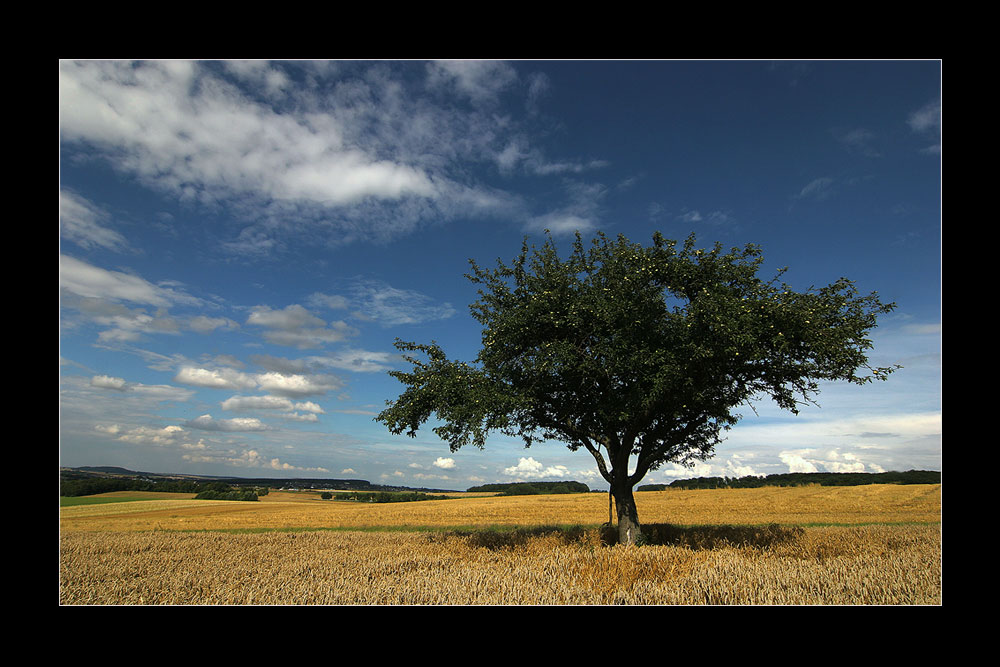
pixel 867 565
pixel 746 546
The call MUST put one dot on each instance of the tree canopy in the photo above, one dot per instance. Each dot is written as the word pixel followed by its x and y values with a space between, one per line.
pixel 637 351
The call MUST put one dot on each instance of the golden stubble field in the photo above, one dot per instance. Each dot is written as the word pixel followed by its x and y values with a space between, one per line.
pixel 881 545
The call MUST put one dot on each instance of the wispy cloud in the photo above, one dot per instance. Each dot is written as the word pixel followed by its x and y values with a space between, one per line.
pixel 389 306
pixel 370 157
pixel 85 280
pixel 858 140
pixel 582 213
pixel 817 189
pixel 84 223
pixel 926 121
pixel 711 218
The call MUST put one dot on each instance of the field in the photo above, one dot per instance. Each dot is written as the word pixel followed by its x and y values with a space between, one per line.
pixel 869 545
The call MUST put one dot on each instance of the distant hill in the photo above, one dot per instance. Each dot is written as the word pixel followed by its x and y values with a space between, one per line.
pixel 87 480
pixel 801 479
pixel 108 469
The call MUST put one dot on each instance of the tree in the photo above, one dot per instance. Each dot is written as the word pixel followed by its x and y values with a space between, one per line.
pixel 634 353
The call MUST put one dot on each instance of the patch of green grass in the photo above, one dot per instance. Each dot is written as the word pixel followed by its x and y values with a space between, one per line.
pixel 71 501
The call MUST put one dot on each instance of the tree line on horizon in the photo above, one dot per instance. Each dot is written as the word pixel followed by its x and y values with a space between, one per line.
pixel 801 479
pixel 532 488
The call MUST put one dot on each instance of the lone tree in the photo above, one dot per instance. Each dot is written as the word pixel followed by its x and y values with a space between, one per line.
pixel 632 351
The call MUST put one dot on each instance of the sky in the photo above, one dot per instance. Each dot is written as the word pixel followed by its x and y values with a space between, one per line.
pixel 240 244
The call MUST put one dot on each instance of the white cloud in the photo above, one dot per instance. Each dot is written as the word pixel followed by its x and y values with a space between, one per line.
pixel 562 223
pixel 819 189
pixel 391 306
pixel 713 218
pixel 85 280
pixel 796 462
pixel 581 213
pixel 206 325
pixel 296 385
pixel 250 458
pixel 220 378
pixel 529 468
pixel 238 403
pixel 858 140
pixel 359 361
pixel 331 301
pixel 482 81
pixel 209 423
pixel 297 327
pixel 444 463
pixel 80 221
pixel 295 416
pixel 108 382
pixel 371 154
pixel 148 435
pixel 247 403
pixel 926 121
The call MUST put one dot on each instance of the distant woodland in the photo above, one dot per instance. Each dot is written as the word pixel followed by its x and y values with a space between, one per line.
pixel 87 482
pixel 532 488
pixel 801 479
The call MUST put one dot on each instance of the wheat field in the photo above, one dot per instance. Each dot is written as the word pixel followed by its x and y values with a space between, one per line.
pixel 882 546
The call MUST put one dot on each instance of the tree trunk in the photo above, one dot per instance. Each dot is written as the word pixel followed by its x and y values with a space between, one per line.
pixel 628 516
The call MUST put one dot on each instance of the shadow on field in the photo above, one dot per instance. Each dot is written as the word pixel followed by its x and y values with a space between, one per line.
pixel 657 534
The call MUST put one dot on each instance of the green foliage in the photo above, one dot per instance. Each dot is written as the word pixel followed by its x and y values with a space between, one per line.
pixel 326 495
pixel 221 491
pixel 801 479
pixel 92 486
pixel 532 488
pixel 628 350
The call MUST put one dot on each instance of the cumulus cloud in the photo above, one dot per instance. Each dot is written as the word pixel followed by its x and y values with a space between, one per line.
pixel 296 386
pixel 108 382
pixel 249 458
pixel 209 423
pixel 529 468
pixel 285 385
pixel 146 435
pixel 295 326
pixel 796 462
pixel 218 378
pixel 242 403
pixel 444 463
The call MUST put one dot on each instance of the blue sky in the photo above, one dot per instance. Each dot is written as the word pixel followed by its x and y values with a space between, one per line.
pixel 241 243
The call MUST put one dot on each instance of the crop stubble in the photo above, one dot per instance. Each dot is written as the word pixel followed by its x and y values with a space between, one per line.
pixel 154 557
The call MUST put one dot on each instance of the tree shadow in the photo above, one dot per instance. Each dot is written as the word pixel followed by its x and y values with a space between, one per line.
pixel 717 536
pixel 508 537
pixel 658 534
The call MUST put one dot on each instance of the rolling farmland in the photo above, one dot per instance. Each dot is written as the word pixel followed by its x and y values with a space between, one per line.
pixel 875 544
